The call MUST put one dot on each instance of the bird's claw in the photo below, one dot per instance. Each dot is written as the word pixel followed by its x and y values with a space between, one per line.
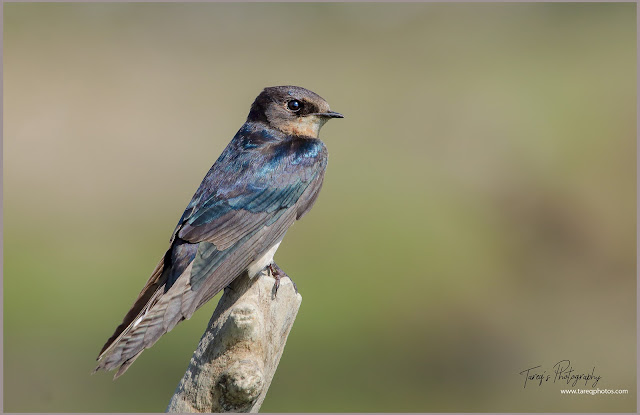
pixel 278 274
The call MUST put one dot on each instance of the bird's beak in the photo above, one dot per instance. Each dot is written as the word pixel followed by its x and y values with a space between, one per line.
pixel 330 114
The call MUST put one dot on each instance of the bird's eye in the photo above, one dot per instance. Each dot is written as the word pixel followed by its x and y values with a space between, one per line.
pixel 294 105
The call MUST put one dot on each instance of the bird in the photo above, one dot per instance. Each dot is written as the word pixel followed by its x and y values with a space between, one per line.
pixel 267 177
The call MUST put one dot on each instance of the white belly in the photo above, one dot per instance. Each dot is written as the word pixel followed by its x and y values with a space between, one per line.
pixel 262 262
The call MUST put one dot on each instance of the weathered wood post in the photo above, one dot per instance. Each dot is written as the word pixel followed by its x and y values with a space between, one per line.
pixel 233 366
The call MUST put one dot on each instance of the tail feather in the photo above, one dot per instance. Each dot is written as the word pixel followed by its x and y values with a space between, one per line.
pixel 158 316
pixel 151 288
pixel 125 365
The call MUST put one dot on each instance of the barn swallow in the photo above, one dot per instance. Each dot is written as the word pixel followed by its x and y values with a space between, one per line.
pixel 268 176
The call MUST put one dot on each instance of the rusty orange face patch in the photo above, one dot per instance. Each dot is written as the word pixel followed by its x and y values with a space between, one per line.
pixel 308 126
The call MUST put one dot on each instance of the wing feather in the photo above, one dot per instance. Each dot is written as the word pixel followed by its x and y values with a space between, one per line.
pixel 236 215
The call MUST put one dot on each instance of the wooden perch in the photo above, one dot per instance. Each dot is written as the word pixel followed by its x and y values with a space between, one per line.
pixel 233 366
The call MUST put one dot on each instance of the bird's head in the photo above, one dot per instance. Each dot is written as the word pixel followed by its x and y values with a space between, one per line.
pixel 292 110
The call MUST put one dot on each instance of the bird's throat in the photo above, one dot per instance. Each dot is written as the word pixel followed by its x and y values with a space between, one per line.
pixel 308 126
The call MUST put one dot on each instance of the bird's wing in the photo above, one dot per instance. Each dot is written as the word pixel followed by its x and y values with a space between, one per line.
pixel 243 207
pixel 259 192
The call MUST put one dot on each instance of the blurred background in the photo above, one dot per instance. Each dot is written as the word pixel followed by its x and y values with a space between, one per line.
pixel 478 215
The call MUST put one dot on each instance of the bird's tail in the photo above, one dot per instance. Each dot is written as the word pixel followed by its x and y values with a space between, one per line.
pixel 146 299
pixel 165 300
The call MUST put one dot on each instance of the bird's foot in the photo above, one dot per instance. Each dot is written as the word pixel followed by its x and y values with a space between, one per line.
pixel 277 273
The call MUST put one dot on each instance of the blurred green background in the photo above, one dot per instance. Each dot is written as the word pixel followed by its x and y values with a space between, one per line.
pixel 477 217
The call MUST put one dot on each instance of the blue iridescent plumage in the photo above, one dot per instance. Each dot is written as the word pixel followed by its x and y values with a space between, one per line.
pixel 268 176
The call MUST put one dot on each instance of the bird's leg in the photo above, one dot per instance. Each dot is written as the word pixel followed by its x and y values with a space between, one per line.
pixel 278 274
